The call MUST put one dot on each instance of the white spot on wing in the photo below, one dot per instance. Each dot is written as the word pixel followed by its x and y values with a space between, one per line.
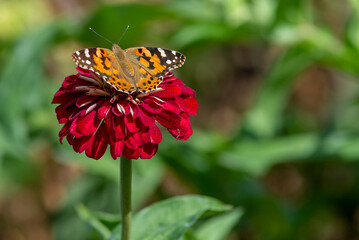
pixel 163 54
pixel 88 62
pixel 87 54
pixel 168 61
pixel 174 52
pixel 77 53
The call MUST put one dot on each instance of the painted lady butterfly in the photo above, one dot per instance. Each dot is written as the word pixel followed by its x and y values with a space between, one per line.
pixel 134 69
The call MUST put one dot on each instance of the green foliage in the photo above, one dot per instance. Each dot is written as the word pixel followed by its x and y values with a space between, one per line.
pixel 276 133
pixel 93 221
pixel 218 227
pixel 172 218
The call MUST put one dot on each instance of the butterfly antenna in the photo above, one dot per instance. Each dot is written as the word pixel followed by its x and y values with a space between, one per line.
pixel 101 36
pixel 123 34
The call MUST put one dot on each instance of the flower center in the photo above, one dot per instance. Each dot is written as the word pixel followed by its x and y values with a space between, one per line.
pixel 128 97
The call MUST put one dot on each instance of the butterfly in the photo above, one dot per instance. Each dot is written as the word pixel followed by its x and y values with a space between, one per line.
pixel 134 69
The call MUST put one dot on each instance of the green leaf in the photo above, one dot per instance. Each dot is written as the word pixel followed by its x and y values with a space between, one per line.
pixel 88 217
pixel 171 218
pixel 218 227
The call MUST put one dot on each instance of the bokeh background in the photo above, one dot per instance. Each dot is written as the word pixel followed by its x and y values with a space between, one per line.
pixel 276 133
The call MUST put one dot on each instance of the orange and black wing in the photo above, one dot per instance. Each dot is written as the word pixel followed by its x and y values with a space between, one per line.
pixel 154 64
pixel 103 62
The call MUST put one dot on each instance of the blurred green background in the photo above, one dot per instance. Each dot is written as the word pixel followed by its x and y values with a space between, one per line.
pixel 276 132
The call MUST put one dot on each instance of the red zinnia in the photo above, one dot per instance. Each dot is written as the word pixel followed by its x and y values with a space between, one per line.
pixel 96 115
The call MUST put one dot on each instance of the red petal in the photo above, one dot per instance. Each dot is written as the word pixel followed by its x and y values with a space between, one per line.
pixel 118 109
pixel 184 131
pixel 60 97
pixel 85 100
pixel 151 107
pixel 134 111
pixel 168 91
pixel 126 107
pixel 132 153
pixel 181 103
pixel 149 150
pixel 133 140
pixel 70 139
pixel 172 81
pixel 88 124
pixel 183 136
pixel 171 106
pixel 73 129
pixel 192 105
pixel 84 72
pixel 155 134
pixel 65 130
pixel 169 78
pixel 62 114
pixel 130 123
pixel 188 91
pixel 80 144
pixel 103 110
pixel 116 127
pixel 120 127
pixel 145 135
pixel 116 149
pixel 168 119
pixel 146 119
pixel 85 111
pixel 69 80
pixel 98 143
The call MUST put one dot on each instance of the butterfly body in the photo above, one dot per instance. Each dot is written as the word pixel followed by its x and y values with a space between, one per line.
pixel 134 69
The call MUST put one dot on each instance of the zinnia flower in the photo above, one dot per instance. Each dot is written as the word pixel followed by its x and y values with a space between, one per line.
pixel 95 115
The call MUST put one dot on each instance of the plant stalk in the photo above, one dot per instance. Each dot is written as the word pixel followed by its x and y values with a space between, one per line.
pixel 125 189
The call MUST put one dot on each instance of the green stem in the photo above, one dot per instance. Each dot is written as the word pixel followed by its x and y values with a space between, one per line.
pixel 125 188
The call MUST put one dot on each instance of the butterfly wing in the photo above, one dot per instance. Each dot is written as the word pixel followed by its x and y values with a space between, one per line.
pixel 98 60
pixel 154 64
pixel 103 62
